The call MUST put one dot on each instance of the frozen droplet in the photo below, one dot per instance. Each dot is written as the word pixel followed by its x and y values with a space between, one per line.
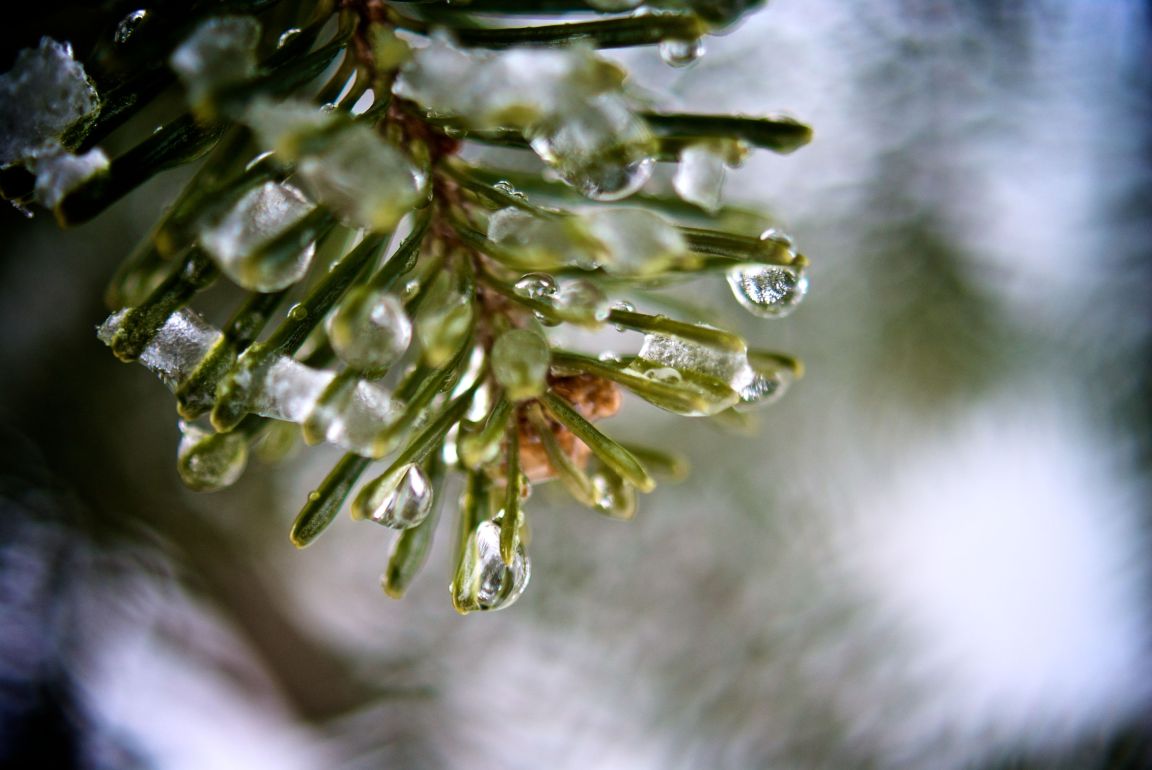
pixel 285 127
pixel 128 26
pixel 700 175
pixel 220 52
pixel 287 36
pixel 609 357
pixel 768 386
pixel 438 77
pixel 483 581
pixel 43 95
pixel 177 347
pixel 603 149
pixel 400 500
pixel 362 178
pixel 519 363
pixel 288 389
pixel 635 241
pixel 353 415
pixel 581 302
pixel 59 172
pixel 681 53
pixel 536 286
pixel 210 461
pixel 370 329
pixel 768 291
pixel 442 326
pixel 236 242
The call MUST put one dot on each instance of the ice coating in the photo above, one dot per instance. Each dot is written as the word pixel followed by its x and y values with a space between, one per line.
pixel 178 346
pixel 636 241
pixel 59 172
pixel 567 102
pixel 255 220
pixel 355 421
pixel 662 351
pixel 361 177
pixel 700 176
pixel 45 93
pixel 221 51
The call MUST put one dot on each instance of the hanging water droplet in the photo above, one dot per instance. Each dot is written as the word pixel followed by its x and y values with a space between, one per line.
pixel 681 53
pixel 614 496
pixel 400 500
pixel 287 36
pixel 768 291
pixel 237 241
pixel 700 175
pixel 536 286
pixel 129 25
pixel 370 329
pixel 210 461
pixel 483 581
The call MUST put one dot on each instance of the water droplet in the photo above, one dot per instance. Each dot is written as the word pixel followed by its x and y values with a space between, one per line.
pixel 287 36
pixel 400 500
pixel 768 291
pixel 625 306
pixel 506 187
pixel 410 289
pixel 681 53
pixel 609 357
pixel 536 286
pixel 298 312
pixel 483 581
pixel 314 495
pixel 129 25
pixel 210 461
pixel 370 329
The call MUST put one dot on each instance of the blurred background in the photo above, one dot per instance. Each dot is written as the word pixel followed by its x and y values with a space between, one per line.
pixel 933 553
